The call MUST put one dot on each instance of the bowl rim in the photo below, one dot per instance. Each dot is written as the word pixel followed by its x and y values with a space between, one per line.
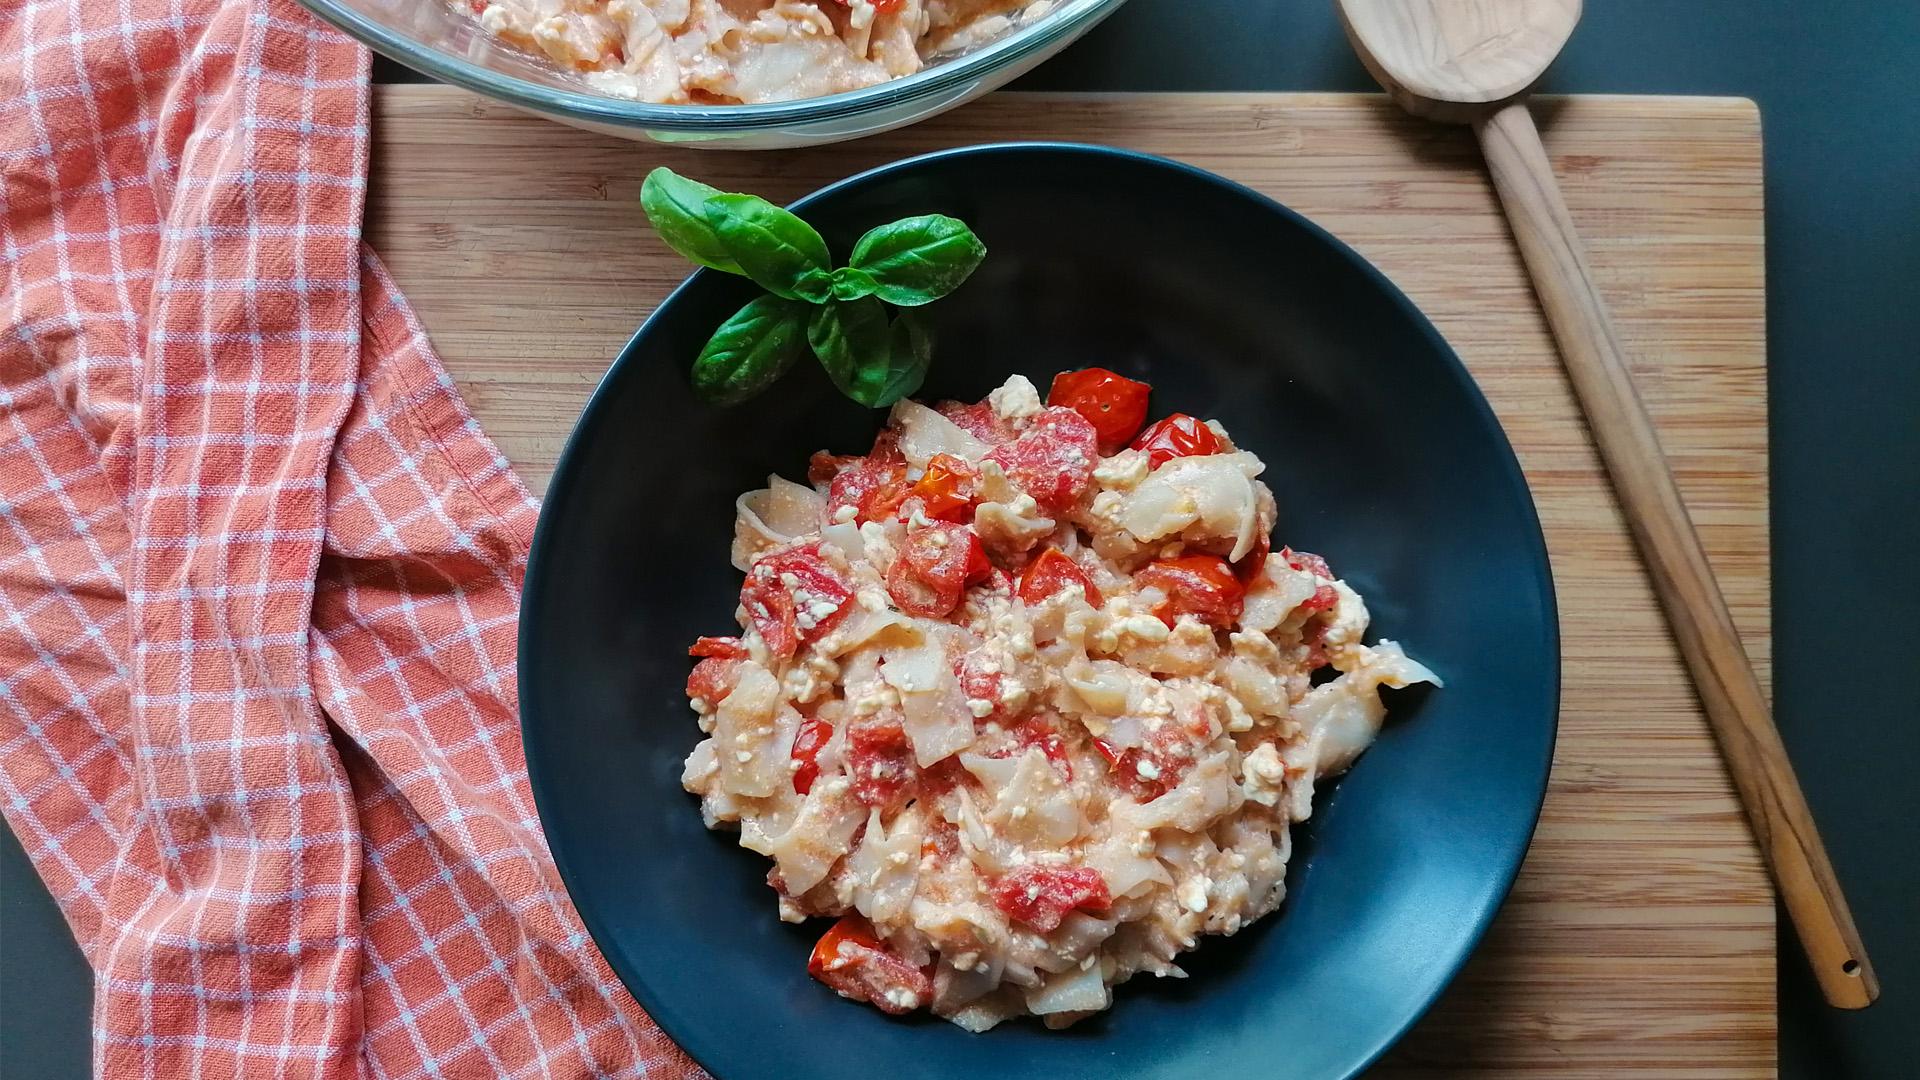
pixel 598 402
pixel 1064 21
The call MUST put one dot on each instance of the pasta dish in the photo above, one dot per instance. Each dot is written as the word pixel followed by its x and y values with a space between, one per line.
pixel 1024 698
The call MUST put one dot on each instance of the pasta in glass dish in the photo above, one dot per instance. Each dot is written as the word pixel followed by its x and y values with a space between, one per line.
pixel 1026 700
pixel 678 52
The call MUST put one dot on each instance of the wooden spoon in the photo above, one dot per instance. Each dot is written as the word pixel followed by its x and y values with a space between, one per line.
pixel 1473 61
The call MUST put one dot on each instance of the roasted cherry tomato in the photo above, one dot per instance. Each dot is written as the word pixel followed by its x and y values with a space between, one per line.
pixel 853 960
pixel 808 741
pixel 712 679
pixel 1038 731
pixel 1053 459
pixel 881 759
pixel 1199 585
pixel 1324 597
pixel 1041 896
pixel 792 595
pixel 946 490
pixel 933 568
pixel 1115 405
pixel 978 420
pixel 1048 573
pixel 1178 435
pixel 726 648
pixel 872 486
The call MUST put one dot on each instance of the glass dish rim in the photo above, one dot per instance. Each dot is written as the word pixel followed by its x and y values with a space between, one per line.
pixel 586 106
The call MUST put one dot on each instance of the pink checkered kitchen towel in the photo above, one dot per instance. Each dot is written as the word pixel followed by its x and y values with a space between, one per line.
pixel 259 573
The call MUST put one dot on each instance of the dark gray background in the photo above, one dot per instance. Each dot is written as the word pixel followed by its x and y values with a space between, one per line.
pixel 1835 83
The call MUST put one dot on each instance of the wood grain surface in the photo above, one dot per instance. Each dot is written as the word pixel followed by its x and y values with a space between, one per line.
pixel 1639 939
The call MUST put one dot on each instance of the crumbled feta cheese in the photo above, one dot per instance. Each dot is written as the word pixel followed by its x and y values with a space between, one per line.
pixel 1147 769
pixel 979 707
pixel 1014 400
pixel 1023 505
pixel 700 705
pixel 1193 893
pixel 1123 471
pixel 918 518
pixel 844 514
pixel 743 756
pixel 1143 844
pixel 902 999
pixel 788 579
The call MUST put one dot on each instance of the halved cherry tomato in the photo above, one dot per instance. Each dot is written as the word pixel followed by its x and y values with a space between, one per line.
pixel 1048 573
pixel 726 648
pixel 934 566
pixel 1324 597
pixel 1041 896
pixel 853 960
pixel 807 744
pixel 1115 405
pixel 1199 585
pixel 1053 459
pixel 946 490
pixel 881 759
pixel 1178 435
pixel 712 679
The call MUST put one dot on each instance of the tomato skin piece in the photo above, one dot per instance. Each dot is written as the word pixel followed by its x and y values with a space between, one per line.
pixel 812 737
pixel 1048 573
pixel 726 648
pixel 712 679
pixel 1042 896
pixel 1179 435
pixel 947 489
pixel 853 960
pixel 1053 459
pixel 1115 405
pixel 1203 586
pixel 933 568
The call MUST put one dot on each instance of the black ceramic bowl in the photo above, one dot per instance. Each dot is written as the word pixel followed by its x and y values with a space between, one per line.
pixel 1383 456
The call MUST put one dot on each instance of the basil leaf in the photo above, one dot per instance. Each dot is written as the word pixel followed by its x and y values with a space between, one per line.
pixel 909 352
pixel 772 246
pixel 851 284
pixel 674 205
pixel 918 260
pixel 750 350
pixel 850 338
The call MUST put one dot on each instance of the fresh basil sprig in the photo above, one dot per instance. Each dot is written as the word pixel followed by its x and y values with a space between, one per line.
pixel 840 313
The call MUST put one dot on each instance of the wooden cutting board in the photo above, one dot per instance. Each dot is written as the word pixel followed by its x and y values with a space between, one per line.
pixel 1639 939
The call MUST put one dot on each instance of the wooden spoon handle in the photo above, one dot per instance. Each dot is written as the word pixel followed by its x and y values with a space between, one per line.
pixel 1738 712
